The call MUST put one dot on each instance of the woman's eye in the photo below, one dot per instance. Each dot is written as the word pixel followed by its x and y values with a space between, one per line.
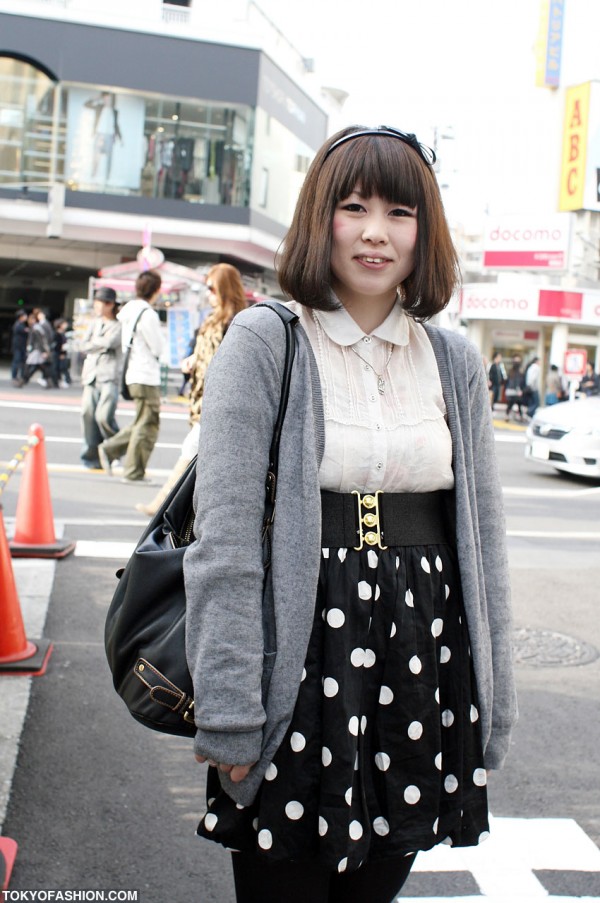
pixel 402 211
pixel 352 208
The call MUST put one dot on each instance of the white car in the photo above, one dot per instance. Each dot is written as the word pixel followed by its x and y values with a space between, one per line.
pixel 566 436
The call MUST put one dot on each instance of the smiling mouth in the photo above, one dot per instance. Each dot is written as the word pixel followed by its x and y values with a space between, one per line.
pixel 373 259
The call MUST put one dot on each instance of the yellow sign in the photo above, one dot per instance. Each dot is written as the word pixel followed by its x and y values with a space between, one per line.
pixel 575 136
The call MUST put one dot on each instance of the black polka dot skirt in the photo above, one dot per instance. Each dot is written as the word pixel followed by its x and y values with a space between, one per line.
pixel 383 755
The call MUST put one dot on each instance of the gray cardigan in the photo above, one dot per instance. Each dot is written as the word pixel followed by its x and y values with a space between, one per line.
pixel 247 674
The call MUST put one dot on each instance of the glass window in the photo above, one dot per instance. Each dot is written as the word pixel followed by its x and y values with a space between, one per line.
pixel 31 141
pixel 280 164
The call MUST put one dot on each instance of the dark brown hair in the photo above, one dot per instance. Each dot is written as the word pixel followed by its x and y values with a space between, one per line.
pixel 147 284
pixel 382 166
pixel 227 285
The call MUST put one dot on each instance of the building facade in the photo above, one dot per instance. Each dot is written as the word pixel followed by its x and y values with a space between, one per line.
pixel 123 125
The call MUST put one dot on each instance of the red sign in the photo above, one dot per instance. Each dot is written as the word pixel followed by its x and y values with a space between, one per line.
pixel 575 362
pixel 560 305
pixel 524 259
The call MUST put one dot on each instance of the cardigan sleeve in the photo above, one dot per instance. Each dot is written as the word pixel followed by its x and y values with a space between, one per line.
pixel 492 532
pixel 223 568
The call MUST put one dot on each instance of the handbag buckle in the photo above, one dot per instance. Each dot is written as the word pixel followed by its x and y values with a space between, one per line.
pixel 369 517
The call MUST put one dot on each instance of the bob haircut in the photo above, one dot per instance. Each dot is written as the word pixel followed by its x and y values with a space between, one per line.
pixel 228 287
pixel 147 284
pixel 383 166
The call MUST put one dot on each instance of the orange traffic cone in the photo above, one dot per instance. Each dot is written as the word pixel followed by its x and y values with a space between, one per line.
pixel 8 853
pixel 34 535
pixel 18 655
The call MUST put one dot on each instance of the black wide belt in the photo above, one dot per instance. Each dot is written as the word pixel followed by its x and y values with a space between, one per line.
pixel 381 519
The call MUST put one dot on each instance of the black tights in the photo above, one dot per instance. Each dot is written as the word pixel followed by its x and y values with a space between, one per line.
pixel 257 881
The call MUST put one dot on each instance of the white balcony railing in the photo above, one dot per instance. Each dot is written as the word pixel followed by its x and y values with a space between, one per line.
pixel 175 15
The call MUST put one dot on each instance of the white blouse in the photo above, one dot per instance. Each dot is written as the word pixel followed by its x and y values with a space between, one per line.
pixel 385 425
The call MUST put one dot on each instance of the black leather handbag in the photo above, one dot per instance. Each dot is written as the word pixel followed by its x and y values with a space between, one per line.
pixel 145 626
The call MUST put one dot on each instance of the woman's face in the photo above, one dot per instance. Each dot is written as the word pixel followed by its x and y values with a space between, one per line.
pixel 373 247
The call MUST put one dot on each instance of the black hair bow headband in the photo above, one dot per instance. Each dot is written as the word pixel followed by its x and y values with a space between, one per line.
pixel 427 154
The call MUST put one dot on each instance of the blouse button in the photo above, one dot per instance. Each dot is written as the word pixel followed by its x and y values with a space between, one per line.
pixel 377 426
pixel 367 367
pixel 379 465
pixel 372 398
pixel 367 339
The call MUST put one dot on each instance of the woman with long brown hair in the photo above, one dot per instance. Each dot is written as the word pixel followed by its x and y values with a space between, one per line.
pixel 226 297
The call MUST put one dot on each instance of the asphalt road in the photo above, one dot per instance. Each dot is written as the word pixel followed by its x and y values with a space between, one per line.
pixel 98 801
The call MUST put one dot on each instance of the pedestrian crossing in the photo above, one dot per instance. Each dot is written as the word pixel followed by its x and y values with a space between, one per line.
pixel 523 860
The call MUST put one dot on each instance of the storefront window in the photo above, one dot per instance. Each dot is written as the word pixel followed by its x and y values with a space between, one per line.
pixel 158 147
pixel 31 141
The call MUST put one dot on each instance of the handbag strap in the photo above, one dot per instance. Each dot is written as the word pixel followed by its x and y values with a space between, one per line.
pixel 137 320
pixel 289 320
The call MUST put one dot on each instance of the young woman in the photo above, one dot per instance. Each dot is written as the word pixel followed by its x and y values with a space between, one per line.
pixel 226 297
pixel 349 713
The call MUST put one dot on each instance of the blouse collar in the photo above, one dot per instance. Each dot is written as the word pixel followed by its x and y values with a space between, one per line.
pixel 343 330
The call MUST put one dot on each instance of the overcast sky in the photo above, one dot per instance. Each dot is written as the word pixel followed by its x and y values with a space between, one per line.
pixel 464 64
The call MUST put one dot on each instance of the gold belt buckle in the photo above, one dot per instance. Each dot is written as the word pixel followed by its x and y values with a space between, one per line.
pixel 368 516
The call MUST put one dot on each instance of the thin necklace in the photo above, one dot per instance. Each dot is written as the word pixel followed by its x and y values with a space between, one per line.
pixel 380 379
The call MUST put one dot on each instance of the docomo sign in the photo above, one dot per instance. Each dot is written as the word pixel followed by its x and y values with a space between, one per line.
pixel 486 301
pixel 518 242
pixel 575 362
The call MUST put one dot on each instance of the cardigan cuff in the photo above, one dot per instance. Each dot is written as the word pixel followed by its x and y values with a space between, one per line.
pixel 497 749
pixel 229 747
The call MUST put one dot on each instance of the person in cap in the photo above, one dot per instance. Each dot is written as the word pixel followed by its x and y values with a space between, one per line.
pixel 100 375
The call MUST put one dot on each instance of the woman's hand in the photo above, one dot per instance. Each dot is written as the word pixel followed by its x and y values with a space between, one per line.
pixel 237 773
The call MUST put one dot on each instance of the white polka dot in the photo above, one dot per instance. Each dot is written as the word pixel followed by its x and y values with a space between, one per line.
pixel 239 806
pixel 385 696
pixel 437 626
pixel 271 772
pixel 342 864
pixel 474 714
pixel 323 826
pixel 425 565
pixel 265 839
pixel 438 761
pixel 210 801
pixel 377 592
pixel 444 655
pixel 480 777
pixel 370 658
pixel 438 563
pixel 297 741
pixel 342 554
pixel 294 810
pixel 483 836
pixel 364 590
pixel 436 825
pixel 447 592
pixel 330 687
pixel 382 760
pixel 335 617
pixel 450 783
pixel 324 614
pixel 447 718
pixel 210 821
pixel 415 730
pixel 363 724
pixel 393 631
pixel 412 794
pixel 381 826
pixel 356 830
pixel 255 824
pixel 372 558
pixel 447 841
pixel 397 562
pixel 415 664
pixel 348 796
pixel 326 756
pixel 303 675
pixel 325 553
pixel 357 657
pixel 353 726
pixel 436 695
pixel 409 598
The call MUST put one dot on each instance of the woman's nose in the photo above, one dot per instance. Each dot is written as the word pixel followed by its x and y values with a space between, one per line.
pixel 375 229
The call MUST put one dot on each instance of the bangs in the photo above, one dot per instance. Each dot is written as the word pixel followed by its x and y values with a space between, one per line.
pixel 379 166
